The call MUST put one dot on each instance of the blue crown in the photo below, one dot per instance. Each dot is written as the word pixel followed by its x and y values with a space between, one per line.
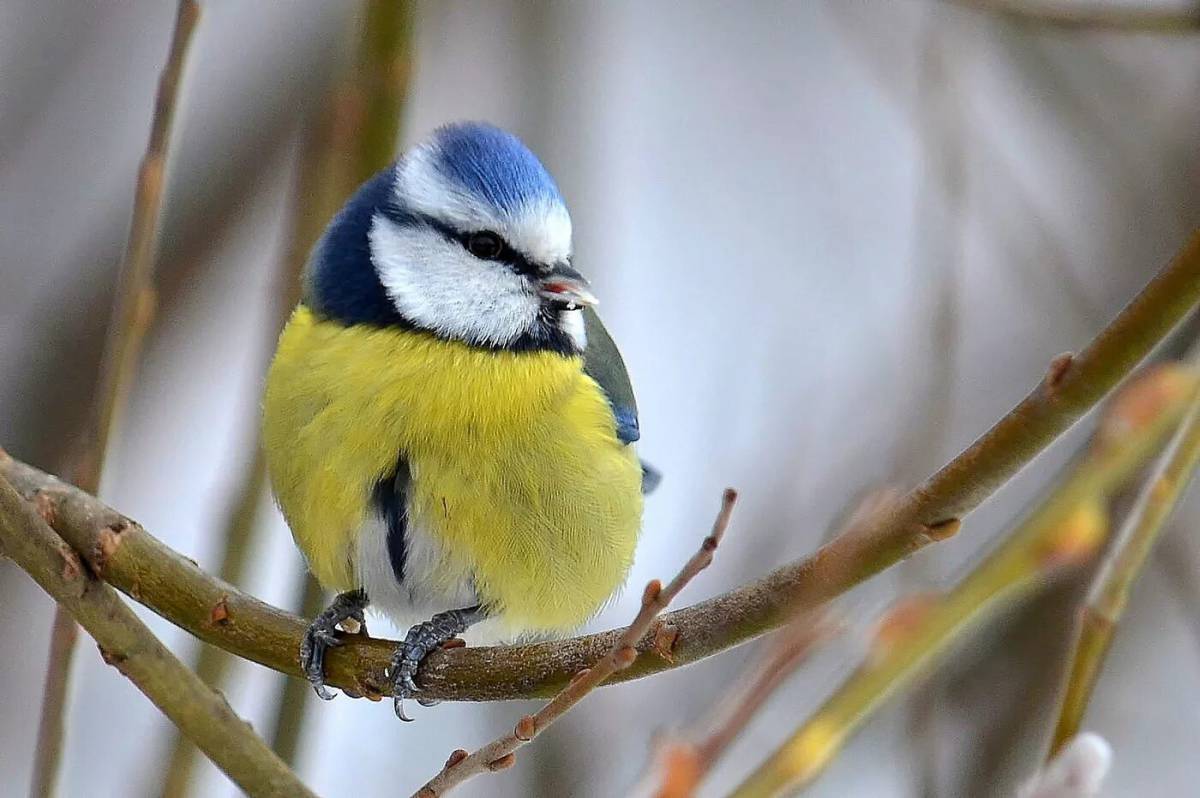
pixel 493 165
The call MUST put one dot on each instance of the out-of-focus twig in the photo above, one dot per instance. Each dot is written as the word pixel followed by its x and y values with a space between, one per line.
pixel 684 760
pixel 1066 530
pixel 132 314
pixel 351 136
pixel 128 645
pixel 1122 565
pixel 501 753
pixel 174 587
pixel 287 729
pixel 1092 15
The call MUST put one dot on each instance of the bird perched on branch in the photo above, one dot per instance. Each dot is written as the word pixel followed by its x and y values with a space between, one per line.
pixel 449 428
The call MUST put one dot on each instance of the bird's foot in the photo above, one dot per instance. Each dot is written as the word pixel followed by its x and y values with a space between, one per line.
pixel 420 640
pixel 322 634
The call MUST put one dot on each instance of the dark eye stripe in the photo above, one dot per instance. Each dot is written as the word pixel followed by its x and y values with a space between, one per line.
pixel 509 255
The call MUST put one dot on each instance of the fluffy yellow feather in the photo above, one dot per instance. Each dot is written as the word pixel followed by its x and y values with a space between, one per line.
pixel 516 468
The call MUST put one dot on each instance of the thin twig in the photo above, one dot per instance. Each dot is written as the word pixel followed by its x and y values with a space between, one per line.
pixel 128 645
pixel 684 759
pixel 1066 530
pixel 47 757
pixel 501 753
pixel 174 587
pixel 1109 594
pixel 133 311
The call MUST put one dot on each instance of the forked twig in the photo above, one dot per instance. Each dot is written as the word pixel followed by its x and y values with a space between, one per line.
pixel 501 753
pixel 684 759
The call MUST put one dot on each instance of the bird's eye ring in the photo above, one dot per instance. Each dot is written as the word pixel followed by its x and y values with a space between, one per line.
pixel 485 245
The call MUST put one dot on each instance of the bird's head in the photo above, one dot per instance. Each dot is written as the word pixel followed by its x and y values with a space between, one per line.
pixel 466 237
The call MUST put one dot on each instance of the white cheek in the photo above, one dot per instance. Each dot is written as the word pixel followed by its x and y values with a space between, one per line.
pixel 438 286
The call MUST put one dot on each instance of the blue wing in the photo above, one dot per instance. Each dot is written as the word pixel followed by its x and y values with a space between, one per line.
pixel 603 363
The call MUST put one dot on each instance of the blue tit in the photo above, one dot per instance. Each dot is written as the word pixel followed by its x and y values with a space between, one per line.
pixel 448 427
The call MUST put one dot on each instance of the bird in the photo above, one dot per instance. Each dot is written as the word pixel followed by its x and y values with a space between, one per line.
pixel 448 427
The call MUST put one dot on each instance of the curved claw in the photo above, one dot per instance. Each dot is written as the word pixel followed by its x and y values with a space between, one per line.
pixel 322 634
pixel 420 640
pixel 398 707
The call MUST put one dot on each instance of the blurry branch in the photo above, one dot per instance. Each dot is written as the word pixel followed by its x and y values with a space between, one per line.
pixel 501 753
pixel 378 87
pixel 295 694
pixel 684 760
pixel 133 311
pixel 1122 565
pixel 1091 15
pixel 1176 560
pixel 150 572
pixel 1068 529
pixel 130 647
pixel 351 136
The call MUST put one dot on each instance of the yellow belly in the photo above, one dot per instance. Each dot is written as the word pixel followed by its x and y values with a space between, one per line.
pixel 516 468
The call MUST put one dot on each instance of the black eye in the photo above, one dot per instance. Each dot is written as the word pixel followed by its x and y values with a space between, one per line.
pixel 486 245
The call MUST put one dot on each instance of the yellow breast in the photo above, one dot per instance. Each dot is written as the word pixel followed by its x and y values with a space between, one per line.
pixel 516 468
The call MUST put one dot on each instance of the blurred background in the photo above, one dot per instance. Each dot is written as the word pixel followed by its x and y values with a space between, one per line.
pixel 835 241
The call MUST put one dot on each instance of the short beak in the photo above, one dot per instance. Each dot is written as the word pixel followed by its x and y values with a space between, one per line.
pixel 567 287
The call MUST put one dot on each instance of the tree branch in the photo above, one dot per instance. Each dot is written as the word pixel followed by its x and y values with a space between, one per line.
pixel 1066 530
pixel 136 563
pixel 125 643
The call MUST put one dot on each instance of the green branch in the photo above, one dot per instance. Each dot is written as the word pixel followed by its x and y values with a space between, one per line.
pixel 1067 529
pixel 1159 496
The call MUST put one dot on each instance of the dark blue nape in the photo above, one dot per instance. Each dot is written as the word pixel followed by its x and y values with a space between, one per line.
pixel 494 165
pixel 342 283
